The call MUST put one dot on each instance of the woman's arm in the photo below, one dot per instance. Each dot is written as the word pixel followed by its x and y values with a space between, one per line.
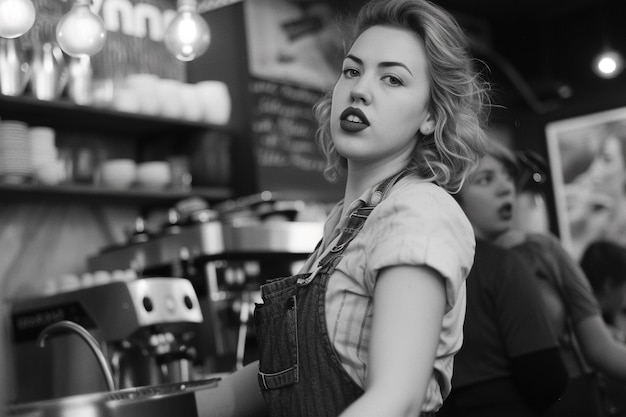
pixel 237 395
pixel 598 345
pixel 600 348
pixel 409 304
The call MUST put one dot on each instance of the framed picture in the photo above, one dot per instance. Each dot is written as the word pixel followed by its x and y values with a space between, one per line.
pixel 587 157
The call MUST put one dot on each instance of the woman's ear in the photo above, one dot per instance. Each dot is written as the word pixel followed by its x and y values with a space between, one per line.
pixel 428 126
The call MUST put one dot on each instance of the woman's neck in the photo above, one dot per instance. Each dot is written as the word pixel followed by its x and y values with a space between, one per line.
pixel 509 239
pixel 360 179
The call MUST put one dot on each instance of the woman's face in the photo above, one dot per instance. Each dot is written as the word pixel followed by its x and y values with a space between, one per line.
pixel 608 168
pixel 381 98
pixel 487 198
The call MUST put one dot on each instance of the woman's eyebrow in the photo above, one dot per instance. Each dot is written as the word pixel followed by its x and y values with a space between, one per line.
pixel 383 64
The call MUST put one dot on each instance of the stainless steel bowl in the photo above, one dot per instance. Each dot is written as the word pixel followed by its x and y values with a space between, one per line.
pixel 176 399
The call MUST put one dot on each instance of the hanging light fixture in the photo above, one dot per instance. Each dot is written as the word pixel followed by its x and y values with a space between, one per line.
pixel 16 17
pixel 80 31
pixel 188 35
pixel 608 63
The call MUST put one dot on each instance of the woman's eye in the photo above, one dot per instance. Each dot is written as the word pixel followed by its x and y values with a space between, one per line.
pixel 482 180
pixel 392 80
pixel 350 72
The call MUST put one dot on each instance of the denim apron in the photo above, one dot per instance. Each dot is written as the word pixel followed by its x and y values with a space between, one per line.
pixel 300 374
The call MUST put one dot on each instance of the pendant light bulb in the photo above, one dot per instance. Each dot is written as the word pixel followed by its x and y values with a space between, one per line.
pixel 80 31
pixel 188 35
pixel 16 17
pixel 608 64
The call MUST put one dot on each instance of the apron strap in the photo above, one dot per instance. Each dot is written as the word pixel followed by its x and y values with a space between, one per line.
pixel 355 224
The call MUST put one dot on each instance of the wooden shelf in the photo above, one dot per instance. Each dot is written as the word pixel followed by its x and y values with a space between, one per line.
pixel 95 194
pixel 63 114
pixel 71 117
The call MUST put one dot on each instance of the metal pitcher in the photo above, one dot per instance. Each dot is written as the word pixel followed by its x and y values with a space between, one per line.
pixel 49 72
pixel 14 68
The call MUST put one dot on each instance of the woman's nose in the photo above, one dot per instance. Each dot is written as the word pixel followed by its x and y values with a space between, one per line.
pixel 360 91
pixel 506 186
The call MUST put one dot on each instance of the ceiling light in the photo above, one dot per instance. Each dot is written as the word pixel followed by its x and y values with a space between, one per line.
pixel 80 31
pixel 608 64
pixel 188 35
pixel 16 17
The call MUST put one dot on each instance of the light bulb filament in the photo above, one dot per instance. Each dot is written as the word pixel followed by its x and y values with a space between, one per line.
pixel 188 30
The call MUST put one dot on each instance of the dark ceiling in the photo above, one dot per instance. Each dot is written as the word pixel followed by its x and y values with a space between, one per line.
pixel 539 52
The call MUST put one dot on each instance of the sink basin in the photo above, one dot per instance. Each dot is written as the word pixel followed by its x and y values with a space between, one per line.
pixel 175 399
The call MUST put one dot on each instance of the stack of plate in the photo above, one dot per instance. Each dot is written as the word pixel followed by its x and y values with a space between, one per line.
pixel 15 160
pixel 44 155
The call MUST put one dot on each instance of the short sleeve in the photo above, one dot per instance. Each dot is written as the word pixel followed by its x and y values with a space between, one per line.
pixel 421 224
pixel 574 286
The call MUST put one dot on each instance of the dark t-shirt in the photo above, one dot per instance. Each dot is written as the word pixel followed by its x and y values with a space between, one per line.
pixel 505 317
pixel 565 289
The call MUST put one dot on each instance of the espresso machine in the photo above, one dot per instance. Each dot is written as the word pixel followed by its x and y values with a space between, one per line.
pixel 227 253
pixel 143 331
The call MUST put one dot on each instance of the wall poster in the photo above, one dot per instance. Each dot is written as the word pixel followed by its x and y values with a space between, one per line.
pixel 588 163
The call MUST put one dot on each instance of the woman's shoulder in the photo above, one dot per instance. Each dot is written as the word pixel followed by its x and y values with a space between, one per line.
pixel 413 190
pixel 417 206
pixel 544 240
pixel 519 239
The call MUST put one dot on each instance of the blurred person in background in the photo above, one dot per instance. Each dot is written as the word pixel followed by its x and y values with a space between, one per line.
pixel 604 263
pixel 585 341
pixel 510 363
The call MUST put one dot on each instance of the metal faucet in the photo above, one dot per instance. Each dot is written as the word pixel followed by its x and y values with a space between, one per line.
pixel 66 325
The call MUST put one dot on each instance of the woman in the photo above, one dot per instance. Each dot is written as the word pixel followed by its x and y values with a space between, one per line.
pixel 372 324
pixel 509 364
pixel 586 343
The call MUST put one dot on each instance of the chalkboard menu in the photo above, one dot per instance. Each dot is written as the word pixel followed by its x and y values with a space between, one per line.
pixel 287 156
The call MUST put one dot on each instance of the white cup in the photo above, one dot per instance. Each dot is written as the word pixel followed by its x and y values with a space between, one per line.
pixel 170 97
pixel 118 173
pixel 126 100
pixel 145 85
pixel 216 102
pixel 51 173
pixel 153 175
pixel 191 102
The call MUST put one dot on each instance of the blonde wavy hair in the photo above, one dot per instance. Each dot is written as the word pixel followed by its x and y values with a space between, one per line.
pixel 459 98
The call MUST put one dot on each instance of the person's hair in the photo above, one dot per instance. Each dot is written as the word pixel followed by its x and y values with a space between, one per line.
pixel 459 96
pixel 501 153
pixel 604 262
